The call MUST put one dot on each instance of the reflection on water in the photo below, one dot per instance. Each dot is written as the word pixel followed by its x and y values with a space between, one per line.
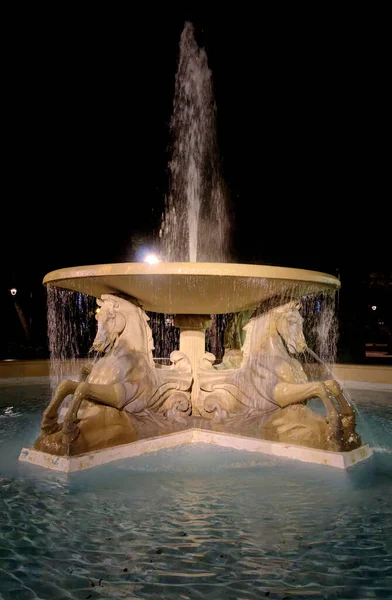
pixel 193 522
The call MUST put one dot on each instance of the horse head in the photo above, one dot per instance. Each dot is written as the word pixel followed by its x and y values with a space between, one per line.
pixel 111 323
pixel 289 325
pixel 281 322
pixel 120 317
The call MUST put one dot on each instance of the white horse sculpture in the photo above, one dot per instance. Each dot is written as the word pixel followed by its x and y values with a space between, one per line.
pixel 123 382
pixel 271 387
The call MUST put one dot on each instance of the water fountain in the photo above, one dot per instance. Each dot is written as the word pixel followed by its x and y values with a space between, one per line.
pixel 125 403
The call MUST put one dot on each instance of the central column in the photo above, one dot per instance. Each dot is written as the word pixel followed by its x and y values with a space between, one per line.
pixel 193 344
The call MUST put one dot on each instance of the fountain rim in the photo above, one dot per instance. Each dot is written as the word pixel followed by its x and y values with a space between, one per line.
pixel 208 269
pixel 192 288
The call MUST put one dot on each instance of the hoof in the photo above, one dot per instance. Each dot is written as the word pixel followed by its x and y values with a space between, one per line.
pixel 58 443
pixel 50 425
pixel 70 431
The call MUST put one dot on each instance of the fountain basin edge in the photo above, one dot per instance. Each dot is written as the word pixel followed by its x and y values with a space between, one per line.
pixel 68 464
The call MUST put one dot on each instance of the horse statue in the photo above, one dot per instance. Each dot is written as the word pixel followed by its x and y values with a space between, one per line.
pixel 270 389
pixel 118 391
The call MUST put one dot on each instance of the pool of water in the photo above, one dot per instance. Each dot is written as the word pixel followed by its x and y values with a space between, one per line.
pixel 194 522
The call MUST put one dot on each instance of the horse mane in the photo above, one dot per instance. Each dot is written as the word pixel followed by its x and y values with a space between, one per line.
pixel 119 296
pixel 127 305
pixel 276 303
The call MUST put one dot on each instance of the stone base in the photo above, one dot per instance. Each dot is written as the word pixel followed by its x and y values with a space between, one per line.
pixel 341 460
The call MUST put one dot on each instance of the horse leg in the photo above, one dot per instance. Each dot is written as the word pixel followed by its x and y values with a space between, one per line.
pixel 294 393
pixel 49 422
pixel 110 395
pixel 351 438
pixel 335 389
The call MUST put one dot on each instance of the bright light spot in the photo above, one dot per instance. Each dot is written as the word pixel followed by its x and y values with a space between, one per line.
pixel 152 259
pixel 374 307
pixel 13 291
pixel 97 310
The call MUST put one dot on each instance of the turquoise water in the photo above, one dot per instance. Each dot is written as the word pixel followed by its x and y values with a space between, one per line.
pixel 194 522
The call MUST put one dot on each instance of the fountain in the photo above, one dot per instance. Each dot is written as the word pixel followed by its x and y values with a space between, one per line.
pixel 126 403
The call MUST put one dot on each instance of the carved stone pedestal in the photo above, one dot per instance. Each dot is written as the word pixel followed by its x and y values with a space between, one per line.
pixel 193 345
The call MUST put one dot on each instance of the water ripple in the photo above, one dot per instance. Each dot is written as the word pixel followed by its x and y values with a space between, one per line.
pixel 194 522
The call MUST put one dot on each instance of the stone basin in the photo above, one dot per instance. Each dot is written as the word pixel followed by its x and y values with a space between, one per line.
pixel 192 288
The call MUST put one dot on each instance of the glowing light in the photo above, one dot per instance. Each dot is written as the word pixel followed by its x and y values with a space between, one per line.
pixel 13 291
pixel 374 307
pixel 97 310
pixel 152 259
pixel 148 255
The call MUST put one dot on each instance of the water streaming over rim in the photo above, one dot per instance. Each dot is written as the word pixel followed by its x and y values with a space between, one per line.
pixel 71 330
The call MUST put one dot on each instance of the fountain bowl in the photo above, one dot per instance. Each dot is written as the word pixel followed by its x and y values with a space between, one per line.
pixel 193 288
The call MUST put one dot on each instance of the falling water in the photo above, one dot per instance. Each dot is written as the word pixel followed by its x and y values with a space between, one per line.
pixel 71 330
pixel 317 309
pixel 195 225
pixel 215 335
pixel 321 325
pixel 165 335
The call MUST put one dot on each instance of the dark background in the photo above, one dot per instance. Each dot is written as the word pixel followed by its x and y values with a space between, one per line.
pixel 303 116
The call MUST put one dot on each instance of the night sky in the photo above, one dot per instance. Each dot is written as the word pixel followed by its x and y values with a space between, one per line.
pixel 303 113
